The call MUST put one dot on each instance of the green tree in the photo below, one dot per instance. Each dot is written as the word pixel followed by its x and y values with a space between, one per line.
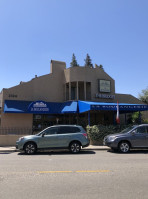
pixel 135 117
pixel 74 61
pixel 101 66
pixel 143 96
pixel 88 62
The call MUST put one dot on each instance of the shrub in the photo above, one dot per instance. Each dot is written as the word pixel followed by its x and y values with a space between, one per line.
pixel 145 121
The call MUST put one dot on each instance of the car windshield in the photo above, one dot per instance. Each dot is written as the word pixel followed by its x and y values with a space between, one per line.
pixel 127 129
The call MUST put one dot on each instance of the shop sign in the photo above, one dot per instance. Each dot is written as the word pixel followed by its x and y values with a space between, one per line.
pixel 103 107
pixel 121 107
pixel 38 106
pixel 105 96
pixel 104 86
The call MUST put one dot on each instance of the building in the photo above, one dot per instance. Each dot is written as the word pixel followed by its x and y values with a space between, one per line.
pixel 82 95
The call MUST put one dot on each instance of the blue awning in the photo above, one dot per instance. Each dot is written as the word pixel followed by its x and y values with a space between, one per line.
pixel 39 107
pixel 15 106
pixel 87 106
pixel 70 107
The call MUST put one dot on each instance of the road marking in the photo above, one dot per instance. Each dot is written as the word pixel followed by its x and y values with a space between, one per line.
pixel 55 172
pixel 93 171
pixel 87 171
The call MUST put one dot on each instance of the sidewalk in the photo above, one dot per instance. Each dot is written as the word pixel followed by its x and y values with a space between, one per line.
pixel 11 149
pixel 7 149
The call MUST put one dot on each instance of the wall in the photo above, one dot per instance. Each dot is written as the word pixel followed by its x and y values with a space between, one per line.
pixel 0 99
pixel 86 74
pixel 51 88
pixel 19 120
pixel 9 140
pixel 48 87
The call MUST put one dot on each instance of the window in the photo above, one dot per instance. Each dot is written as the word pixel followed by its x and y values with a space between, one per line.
pixel 75 129
pixel 141 129
pixel 51 131
pixel 104 86
pixel 68 129
pixel 73 93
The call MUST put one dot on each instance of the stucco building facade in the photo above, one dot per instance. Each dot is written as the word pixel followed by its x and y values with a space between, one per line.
pixel 61 85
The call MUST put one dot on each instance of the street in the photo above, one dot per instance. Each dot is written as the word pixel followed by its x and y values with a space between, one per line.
pixel 92 174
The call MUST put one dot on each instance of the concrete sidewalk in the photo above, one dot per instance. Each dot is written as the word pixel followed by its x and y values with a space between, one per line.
pixel 7 149
pixel 11 149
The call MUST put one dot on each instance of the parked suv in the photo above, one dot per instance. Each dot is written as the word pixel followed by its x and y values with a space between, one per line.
pixel 72 137
pixel 133 137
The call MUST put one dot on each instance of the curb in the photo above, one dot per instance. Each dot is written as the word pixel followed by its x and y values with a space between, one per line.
pixel 13 149
pixel 7 149
pixel 97 148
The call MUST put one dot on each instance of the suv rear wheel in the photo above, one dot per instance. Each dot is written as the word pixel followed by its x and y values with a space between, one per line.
pixel 75 147
pixel 124 147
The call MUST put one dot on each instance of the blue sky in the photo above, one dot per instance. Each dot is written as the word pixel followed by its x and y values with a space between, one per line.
pixel 113 32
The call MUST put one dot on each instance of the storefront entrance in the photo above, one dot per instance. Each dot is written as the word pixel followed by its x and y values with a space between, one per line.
pixel 42 121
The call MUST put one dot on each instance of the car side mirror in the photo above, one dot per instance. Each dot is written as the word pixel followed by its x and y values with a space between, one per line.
pixel 43 134
pixel 133 132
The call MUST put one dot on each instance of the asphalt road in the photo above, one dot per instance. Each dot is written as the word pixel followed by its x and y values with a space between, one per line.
pixel 60 175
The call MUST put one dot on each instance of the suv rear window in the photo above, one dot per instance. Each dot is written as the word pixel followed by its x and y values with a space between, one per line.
pixel 68 129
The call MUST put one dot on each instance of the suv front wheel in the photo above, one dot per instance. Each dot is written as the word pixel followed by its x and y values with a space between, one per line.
pixel 124 147
pixel 30 148
pixel 75 147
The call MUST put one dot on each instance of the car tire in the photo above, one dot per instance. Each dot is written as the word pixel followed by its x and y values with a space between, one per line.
pixel 30 148
pixel 124 147
pixel 75 147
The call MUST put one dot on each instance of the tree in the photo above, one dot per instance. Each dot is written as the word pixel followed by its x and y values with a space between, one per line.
pixel 100 66
pixel 74 61
pixel 143 96
pixel 88 62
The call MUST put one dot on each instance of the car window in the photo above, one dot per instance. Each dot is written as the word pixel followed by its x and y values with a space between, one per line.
pixel 75 130
pixel 141 129
pixel 50 131
pixel 127 129
pixel 68 129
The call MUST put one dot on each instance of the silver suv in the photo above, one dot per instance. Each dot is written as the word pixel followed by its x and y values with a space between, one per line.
pixel 133 137
pixel 71 137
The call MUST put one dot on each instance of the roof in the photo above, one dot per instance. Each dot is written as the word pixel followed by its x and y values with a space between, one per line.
pixel 127 98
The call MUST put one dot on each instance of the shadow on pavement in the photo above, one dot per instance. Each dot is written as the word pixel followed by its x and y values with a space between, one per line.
pixel 132 151
pixel 4 153
pixel 85 152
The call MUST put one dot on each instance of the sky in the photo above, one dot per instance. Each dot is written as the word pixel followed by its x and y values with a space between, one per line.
pixel 113 32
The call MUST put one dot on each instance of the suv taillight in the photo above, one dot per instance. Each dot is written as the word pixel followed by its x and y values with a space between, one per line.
pixel 85 134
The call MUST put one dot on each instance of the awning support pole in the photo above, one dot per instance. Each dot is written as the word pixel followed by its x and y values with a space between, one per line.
pixel 139 117
pixel 125 118
pixel 114 118
pixel 89 118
